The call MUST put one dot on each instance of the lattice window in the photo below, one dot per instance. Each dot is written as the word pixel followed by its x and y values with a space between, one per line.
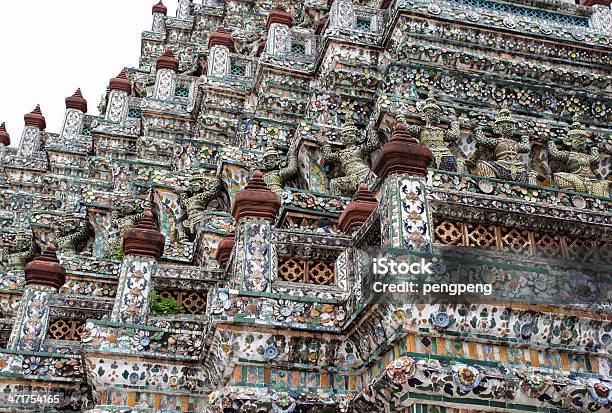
pixel 193 302
pixel 298 48
pixel 86 130
pixel 181 92
pixel 364 24
pixel 481 236
pixel 134 113
pixel 580 249
pixel 66 329
pixel 292 270
pixel 238 70
pixel 522 241
pixel 321 272
pixel 515 240
pixel 548 245
pixel 449 233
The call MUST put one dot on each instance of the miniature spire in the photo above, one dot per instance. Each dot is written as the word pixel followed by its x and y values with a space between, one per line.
pixel 121 82
pixel 221 37
pixel 224 249
pixel 399 133
pixel 279 15
pixel 168 61
pixel 76 101
pixel 358 210
pixel 160 8
pixel 402 154
pixel 256 200
pixel 5 138
pixel 144 238
pixel 35 119
pixel 46 270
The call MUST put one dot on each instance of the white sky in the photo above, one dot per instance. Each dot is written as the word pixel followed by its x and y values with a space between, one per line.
pixel 48 48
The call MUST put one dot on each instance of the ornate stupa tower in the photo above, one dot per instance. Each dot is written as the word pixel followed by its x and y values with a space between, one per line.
pixel 206 242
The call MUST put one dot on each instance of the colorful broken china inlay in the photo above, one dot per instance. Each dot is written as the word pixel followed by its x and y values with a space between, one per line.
pixel 212 223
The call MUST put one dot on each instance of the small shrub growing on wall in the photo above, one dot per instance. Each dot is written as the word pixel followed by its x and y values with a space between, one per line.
pixel 164 306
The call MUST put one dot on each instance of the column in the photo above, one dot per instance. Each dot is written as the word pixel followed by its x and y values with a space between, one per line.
pixel 165 81
pixel 76 107
pixel 118 98
pixel 159 18
pixel 278 41
pixel 31 137
pixel 255 209
pixel 220 45
pixel 342 15
pixel 44 276
pixel 405 215
pixel 5 138
pixel 143 245
pixel 601 18
pixel 182 12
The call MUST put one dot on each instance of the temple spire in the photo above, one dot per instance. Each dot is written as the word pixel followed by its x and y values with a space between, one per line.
pixel 160 8
pixel 77 101
pixel 5 138
pixel 35 119
pixel 168 61
pixel 121 82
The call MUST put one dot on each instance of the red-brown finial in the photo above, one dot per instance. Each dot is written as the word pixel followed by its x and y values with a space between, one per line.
pixel 76 101
pixel 144 238
pixel 221 37
pixel 403 154
pixel 5 138
pixel 358 210
pixel 256 200
pixel 168 61
pixel 595 2
pixel 45 270
pixel 35 119
pixel 121 82
pixel 224 249
pixel 279 15
pixel 385 4
pixel 160 8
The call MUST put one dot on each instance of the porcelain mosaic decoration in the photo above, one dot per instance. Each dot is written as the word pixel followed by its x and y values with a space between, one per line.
pixel 201 244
